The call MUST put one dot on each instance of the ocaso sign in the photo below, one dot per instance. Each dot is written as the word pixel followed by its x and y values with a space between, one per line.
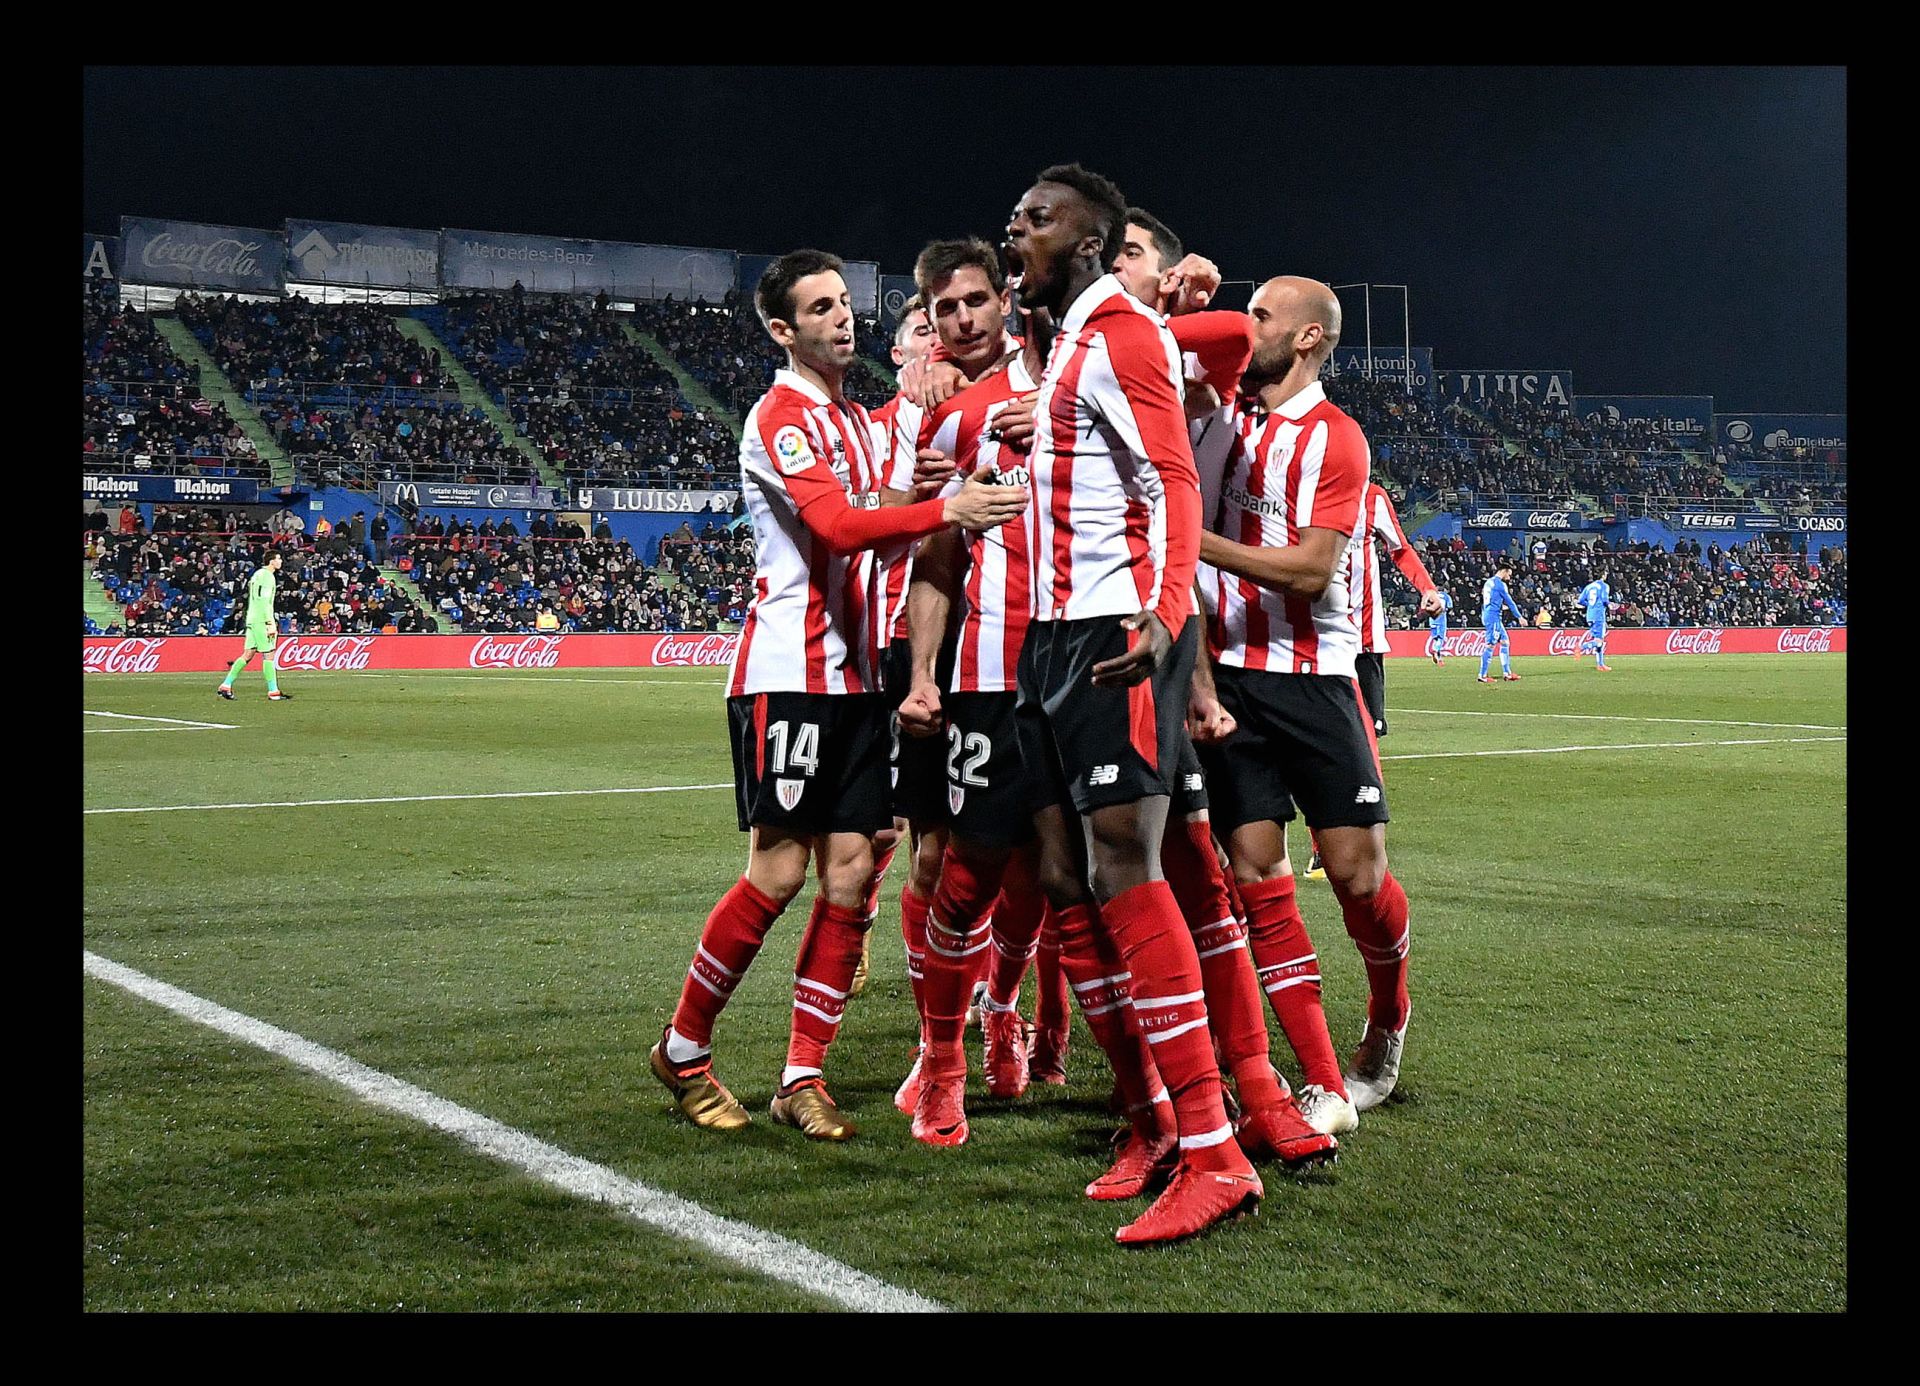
pixel 206 654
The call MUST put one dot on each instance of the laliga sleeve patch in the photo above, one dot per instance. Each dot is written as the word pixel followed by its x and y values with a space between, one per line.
pixel 791 451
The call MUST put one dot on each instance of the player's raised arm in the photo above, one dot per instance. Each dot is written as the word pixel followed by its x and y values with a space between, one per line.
pixel 1220 341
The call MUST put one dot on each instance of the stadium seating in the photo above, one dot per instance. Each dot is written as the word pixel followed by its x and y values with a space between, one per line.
pixel 498 580
pixel 140 408
pixel 189 577
pixel 1762 582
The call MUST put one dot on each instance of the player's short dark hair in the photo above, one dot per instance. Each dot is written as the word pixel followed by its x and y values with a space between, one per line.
pixel 773 295
pixel 942 259
pixel 1107 203
pixel 1164 241
pixel 1505 564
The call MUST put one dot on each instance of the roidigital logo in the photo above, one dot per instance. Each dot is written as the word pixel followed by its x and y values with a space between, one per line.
pixel 703 651
pixel 515 652
pixel 323 656
pixel 126 657
pixel 1819 640
pixel 1706 640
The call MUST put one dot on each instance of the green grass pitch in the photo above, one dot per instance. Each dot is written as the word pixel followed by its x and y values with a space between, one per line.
pixel 1624 1085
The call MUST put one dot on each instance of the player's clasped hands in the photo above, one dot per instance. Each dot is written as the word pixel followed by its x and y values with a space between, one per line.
pixel 982 505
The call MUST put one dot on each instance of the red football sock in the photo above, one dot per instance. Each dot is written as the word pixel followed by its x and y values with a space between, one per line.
pixel 1193 870
pixel 1050 980
pixel 913 932
pixel 1016 930
pixel 956 937
pixel 1093 968
pixel 1234 1011
pixel 1169 1006
pixel 880 864
pixel 1378 928
pixel 1289 973
pixel 728 945
pixel 822 977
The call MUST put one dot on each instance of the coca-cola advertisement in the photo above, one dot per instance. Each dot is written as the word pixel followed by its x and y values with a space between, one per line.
pixel 1702 640
pixel 210 654
pixel 206 654
pixel 516 652
pixel 323 653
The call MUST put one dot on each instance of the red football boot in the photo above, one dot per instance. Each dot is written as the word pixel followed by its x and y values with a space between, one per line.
pixel 940 1116
pixel 1005 1034
pixel 1278 1131
pixel 1195 1200
pixel 1145 1158
pixel 1048 1057
pixel 907 1096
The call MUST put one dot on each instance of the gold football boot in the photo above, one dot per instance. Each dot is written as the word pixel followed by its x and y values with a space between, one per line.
pixel 701 1097
pixel 864 966
pixel 811 1111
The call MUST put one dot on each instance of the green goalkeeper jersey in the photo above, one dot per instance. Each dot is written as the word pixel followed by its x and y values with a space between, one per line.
pixel 260 589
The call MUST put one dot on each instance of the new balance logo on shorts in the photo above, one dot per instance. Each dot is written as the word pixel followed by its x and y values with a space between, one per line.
pixel 1194 784
pixel 1104 774
pixel 1367 794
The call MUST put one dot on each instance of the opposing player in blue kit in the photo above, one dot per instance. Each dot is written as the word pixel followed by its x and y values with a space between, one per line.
pixel 1594 597
pixel 1437 628
pixel 1495 602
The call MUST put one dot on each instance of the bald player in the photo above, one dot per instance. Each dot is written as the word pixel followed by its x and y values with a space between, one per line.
pixel 1283 486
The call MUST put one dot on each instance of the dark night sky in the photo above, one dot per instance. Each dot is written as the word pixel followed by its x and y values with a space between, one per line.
pixel 1659 231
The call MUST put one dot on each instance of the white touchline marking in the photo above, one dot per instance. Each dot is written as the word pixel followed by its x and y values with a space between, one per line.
pixel 766 1253
pixel 176 721
pixel 100 732
pixel 1614 717
pixel 416 798
pixel 1620 746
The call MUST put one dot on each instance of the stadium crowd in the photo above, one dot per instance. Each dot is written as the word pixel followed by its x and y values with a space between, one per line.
pixel 140 408
pixel 374 441
pixel 493 578
pixel 1761 582
pixel 272 350
pixel 595 402
pixel 189 577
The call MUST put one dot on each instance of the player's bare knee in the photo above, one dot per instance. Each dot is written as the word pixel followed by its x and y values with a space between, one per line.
pixel 929 848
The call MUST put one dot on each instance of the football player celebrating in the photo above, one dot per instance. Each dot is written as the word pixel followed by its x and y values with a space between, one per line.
pixel 808 728
pixel 1291 481
pixel 1113 527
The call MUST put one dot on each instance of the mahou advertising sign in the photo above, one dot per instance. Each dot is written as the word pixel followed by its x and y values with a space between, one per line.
pixel 323 654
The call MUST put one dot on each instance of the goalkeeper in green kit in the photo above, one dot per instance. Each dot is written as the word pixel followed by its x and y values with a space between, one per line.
pixel 262 633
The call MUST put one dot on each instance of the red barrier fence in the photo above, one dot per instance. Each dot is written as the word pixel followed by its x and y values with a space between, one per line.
pixel 207 654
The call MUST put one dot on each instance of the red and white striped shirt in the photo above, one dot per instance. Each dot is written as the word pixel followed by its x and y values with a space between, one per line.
pixel 993 620
pixel 1302 466
pixel 1363 568
pixel 1114 522
pixel 812 624
pixel 893 563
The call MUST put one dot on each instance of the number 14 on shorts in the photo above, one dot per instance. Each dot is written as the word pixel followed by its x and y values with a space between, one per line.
pixel 804 753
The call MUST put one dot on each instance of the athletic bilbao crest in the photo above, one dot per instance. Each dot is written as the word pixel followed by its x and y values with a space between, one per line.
pixel 789 792
pixel 956 796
